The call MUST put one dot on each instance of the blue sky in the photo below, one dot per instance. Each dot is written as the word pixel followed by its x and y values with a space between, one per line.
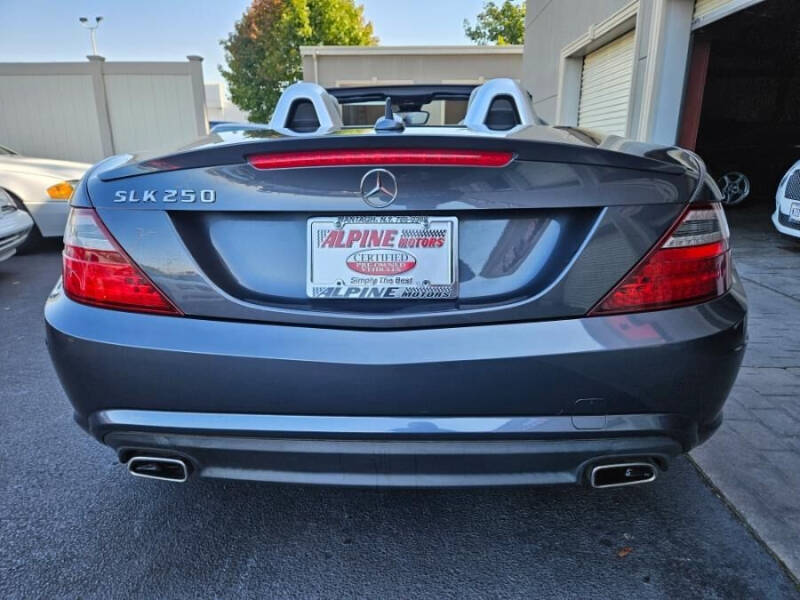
pixel 48 30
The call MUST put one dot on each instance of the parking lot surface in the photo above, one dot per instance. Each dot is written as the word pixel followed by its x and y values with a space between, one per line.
pixel 74 524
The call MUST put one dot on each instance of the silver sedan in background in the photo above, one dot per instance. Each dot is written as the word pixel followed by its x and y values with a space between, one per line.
pixel 15 225
pixel 41 187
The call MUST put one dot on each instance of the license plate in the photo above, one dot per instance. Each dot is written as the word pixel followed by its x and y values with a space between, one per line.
pixel 794 211
pixel 382 257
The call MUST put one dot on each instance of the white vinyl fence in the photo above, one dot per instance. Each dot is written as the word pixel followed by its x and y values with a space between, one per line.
pixel 87 111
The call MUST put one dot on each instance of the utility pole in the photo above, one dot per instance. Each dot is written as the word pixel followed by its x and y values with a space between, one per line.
pixel 92 28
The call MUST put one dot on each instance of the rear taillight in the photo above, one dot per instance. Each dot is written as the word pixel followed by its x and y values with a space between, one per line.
pixel 393 156
pixel 98 272
pixel 691 264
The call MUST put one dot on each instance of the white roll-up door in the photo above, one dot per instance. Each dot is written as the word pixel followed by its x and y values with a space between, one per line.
pixel 708 11
pixel 606 86
pixel 703 8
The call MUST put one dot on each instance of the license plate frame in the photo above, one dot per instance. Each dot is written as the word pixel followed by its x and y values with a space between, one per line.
pixel 403 257
pixel 794 212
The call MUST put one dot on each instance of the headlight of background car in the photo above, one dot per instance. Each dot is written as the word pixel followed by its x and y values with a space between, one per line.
pixel 62 190
pixel 6 203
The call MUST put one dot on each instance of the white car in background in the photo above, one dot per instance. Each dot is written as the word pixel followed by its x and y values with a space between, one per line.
pixel 42 187
pixel 14 226
pixel 787 203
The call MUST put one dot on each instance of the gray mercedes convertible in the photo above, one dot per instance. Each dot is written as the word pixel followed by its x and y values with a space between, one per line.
pixel 400 286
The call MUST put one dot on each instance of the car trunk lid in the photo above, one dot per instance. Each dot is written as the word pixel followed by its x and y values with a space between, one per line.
pixel 542 235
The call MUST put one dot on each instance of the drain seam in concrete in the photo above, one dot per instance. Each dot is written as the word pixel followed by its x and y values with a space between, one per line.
pixel 766 287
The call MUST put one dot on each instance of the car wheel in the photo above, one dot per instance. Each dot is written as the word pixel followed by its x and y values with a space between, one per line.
pixel 735 187
pixel 34 240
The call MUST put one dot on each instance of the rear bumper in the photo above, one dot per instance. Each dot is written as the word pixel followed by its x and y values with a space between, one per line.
pixel 522 403
pixel 392 451
pixel 783 225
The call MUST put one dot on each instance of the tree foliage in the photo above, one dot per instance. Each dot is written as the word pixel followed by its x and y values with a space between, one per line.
pixel 263 51
pixel 501 25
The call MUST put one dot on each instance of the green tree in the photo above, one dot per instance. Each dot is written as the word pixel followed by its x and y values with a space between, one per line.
pixel 263 51
pixel 501 25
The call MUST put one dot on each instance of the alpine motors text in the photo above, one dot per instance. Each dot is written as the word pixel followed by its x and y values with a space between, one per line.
pixel 379 260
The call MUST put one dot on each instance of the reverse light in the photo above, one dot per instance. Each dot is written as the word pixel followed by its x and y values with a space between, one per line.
pixel 689 265
pixel 394 156
pixel 97 271
pixel 62 190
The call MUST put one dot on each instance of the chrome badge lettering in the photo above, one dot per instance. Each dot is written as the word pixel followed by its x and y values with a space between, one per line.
pixel 167 196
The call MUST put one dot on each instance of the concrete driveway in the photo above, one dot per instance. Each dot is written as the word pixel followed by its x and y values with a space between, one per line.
pixel 74 524
pixel 754 459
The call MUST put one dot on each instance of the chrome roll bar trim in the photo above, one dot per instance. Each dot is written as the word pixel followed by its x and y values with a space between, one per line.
pixel 325 105
pixel 481 100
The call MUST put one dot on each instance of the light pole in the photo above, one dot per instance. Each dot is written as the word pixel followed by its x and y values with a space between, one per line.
pixel 85 22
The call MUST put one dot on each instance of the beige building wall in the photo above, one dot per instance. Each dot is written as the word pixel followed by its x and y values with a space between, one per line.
pixel 219 108
pixel 549 27
pixel 36 121
pixel 559 35
pixel 87 111
pixel 340 66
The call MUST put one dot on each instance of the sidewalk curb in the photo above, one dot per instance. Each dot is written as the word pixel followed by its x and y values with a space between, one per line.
pixel 795 578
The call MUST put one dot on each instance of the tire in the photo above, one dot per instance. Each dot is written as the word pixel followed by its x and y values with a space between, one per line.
pixel 34 240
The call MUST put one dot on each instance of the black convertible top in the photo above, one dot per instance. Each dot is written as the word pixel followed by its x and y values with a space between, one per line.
pixel 412 96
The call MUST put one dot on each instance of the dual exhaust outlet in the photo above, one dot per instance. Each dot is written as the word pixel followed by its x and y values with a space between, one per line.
pixel 158 467
pixel 601 476
pixel 622 474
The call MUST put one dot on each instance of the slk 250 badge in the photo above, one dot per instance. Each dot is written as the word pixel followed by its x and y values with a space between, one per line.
pixel 166 196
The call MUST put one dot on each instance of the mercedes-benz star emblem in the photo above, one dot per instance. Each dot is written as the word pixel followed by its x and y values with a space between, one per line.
pixel 378 188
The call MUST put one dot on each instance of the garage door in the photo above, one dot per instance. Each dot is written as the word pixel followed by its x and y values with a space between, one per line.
pixel 704 8
pixel 606 86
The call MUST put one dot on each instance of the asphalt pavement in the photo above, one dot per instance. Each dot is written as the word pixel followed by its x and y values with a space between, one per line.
pixel 74 524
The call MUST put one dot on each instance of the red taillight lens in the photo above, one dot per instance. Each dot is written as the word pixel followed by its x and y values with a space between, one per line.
pixel 691 265
pixel 98 272
pixel 394 156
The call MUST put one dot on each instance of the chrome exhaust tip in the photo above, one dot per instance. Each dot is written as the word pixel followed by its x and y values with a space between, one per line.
pixel 622 474
pixel 158 467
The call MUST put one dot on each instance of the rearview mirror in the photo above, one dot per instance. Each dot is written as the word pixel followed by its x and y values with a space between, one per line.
pixel 416 118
